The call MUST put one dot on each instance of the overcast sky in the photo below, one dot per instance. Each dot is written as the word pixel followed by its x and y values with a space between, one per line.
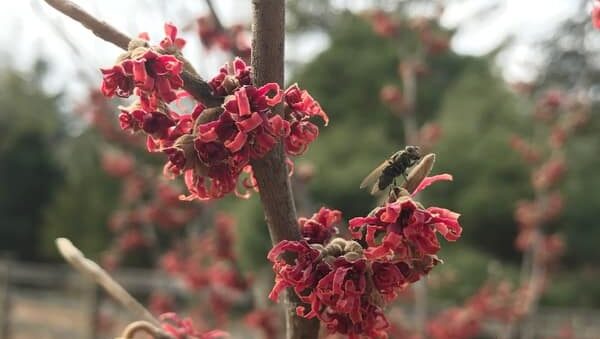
pixel 29 30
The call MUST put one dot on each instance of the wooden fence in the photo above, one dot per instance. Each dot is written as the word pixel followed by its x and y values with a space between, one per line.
pixel 54 302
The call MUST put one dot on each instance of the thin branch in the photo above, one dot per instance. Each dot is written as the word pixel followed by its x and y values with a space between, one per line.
pixel 271 172
pixel 100 28
pixel 144 327
pixel 89 268
pixel 193 83
pixel 213 13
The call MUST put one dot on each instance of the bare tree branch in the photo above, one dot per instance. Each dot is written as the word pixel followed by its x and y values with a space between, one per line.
pixel 89 268
pixel 271 172
pixel 213 12
pixel 100 28
pixel 193 83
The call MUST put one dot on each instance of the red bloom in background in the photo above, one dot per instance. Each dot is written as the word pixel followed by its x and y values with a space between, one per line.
pixel 455 323
pixel 118 165
pixel 224 225
pixel 264 320
pixel 383 24
pixel 210 35
pixel 596 15
pixel 321 226
pixel 184 328
pixel 549 174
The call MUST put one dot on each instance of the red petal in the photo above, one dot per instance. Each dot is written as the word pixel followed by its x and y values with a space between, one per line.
pixel 237 142
pixel 242 102
pixel 430 180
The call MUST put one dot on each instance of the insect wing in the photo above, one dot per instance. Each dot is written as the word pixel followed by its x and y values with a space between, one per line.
pixel 374 175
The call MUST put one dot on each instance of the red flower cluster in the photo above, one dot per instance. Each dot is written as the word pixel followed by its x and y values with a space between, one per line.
pixel 392 96
pixel 547 106
pixel 383 24
pixel 429 134
pixel 246 129
pixel 549 174
pixel 409 231
pixel 265 320
pixel 208 263
pixel 528 152
pixel 489 303
pixel 344 284
pixel 153 73
pixel 212 147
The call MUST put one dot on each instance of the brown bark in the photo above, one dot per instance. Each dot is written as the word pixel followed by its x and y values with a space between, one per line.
pixel 271 172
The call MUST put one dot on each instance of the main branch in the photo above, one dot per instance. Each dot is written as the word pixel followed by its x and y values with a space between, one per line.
pixel 193 83
pixel 271 172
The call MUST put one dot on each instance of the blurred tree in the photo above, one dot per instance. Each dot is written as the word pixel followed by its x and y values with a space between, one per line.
pixel 30 127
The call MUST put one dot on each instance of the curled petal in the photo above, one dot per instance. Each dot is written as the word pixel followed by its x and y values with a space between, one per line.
pixel 237 142
pixel 276 98
pixel 250 123
pixel 242 102
pixel 430 180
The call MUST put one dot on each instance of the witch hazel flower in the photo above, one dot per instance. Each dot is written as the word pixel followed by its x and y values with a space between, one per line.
pixel 406 229
pixel 346 283
pixel 321 226
pixel 300 108
pixel 247 129
pixel 149 69
pixel 230 77
pixel 212 147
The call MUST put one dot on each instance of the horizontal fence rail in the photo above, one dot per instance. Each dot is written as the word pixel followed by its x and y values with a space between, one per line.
pixel 47 301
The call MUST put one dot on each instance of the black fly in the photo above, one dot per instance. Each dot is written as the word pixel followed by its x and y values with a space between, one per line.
pixel 386 173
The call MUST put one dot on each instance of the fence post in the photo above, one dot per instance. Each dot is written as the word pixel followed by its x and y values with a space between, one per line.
pixel 5 298
pixel 92 298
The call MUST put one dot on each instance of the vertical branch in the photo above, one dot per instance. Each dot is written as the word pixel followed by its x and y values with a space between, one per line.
pixel 409 86
pixel 213 12
pixel 271 172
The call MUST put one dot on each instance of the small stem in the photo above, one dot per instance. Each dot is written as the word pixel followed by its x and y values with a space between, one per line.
pixel 409 82
pixel 213 13
pixel 100 28
pixel 89 268
pixel 271 172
